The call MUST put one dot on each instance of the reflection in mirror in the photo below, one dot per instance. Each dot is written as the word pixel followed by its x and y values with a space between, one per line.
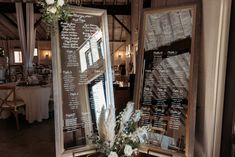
pixel 92 75
pixel 166 76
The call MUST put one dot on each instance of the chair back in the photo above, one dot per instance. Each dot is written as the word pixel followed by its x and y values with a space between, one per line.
pixel 7 96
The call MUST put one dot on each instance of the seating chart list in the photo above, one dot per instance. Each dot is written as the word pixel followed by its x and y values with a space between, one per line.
pixel 73 35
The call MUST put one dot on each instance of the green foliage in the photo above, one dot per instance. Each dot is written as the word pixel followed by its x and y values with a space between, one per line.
pixel 52 13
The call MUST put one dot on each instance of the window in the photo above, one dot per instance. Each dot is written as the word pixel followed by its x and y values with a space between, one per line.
pixel 89 58
pixel 35 52
pixel 98 92
pixel 2 51
pixel 100 48
pixel 17 56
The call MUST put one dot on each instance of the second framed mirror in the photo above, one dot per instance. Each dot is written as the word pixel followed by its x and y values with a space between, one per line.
pixel 165 88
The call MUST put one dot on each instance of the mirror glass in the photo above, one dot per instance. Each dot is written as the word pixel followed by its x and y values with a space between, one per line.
pixel 166 76
pixel 83 58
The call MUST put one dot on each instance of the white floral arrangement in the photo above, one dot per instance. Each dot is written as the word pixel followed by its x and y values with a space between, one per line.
pixel 53 11
pixel 120 137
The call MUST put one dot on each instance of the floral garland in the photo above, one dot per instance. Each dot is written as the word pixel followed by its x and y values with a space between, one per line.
pixel 120 138
pixel 53 11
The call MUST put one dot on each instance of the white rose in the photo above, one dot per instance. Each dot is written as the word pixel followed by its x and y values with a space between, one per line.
pixel 49 2
pixel 52 10
pixel 113 154
pixel 60 3
pixel 128 150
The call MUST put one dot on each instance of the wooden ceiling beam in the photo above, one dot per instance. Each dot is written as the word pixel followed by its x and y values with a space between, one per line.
pixel 46 34
pixel 43 28
pixel 121 33
pixel 121 24
pixel 7 24
pixel 111 9
pixel 10 8
pixel 10 20
pixel 6 33
pixel 13 1
pixel 37 23
pixel 39 33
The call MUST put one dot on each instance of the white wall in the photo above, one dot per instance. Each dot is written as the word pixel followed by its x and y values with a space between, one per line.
pixel 212 68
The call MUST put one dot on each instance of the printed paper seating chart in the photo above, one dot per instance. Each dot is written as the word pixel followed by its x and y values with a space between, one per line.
pixel 167 27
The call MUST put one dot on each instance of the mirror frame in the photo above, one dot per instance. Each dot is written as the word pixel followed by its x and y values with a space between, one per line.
pixel 57 81
pixel 192 94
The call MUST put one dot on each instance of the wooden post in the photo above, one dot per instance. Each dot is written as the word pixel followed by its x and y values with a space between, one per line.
pixel 136 10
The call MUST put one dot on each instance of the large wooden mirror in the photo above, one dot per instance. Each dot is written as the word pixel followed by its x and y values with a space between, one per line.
pixel 82 79
pixel 166 80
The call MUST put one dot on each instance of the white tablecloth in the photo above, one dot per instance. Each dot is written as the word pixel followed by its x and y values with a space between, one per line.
pixel 36 99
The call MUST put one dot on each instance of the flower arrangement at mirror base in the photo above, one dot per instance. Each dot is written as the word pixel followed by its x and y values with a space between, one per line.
pixel 53 11
pixel 120 137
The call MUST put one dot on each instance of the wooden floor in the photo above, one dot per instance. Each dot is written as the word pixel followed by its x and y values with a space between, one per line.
pixel 32 140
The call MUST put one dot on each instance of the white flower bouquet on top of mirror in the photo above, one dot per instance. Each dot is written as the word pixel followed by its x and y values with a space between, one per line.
pixel 53 11
pixel 120 136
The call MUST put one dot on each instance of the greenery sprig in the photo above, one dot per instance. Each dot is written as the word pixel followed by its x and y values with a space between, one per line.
pixel 54 11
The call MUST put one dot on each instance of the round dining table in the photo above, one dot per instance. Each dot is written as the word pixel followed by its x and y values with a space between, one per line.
pixel 36 99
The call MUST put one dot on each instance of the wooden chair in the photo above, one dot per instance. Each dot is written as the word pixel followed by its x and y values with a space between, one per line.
pixel 8 102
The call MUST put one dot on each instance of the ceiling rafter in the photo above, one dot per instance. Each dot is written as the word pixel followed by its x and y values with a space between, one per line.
pixel 46 32
pixel 12 17
pixel 10 20
pixel 121 29
pixel 40 33
pixel 13 1
pixel 111 9
pixel 43 28
pixel 5 32
pixel 115 17
pixel 7 24
pixel 37 23
pixel 123 44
